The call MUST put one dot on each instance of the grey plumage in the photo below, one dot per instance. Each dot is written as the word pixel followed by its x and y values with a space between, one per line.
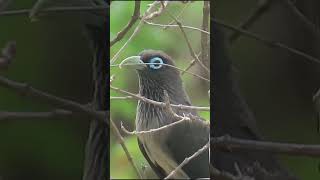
pixel 166 149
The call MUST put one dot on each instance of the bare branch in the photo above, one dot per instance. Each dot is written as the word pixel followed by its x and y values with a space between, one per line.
pixel 134 18
pixel 188 159
pixel 159 11
pixel 267 42
pixel 120 98
pixel 261 8
pixel 155 129
pixel 26 90
pixel 176 26
pixel 57 10
pixel 311 26
pixel 232 143
pixel 178 16
pixel 57 113
pixel 117 133
pixel 192 63
pixel 136 30
pixel 161 104
pixel 193 54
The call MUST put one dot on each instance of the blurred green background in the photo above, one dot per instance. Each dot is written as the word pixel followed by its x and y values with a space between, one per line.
pixel 52 55
pixel 170 41
pixel 278 85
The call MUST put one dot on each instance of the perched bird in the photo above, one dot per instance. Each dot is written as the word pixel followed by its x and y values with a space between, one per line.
pixel 233 117
pixel 166 149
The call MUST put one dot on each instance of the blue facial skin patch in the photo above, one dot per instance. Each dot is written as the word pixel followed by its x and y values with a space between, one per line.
pixel 156 60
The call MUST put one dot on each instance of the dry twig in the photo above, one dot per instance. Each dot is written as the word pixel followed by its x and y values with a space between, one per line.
pixel 266 41
pixel 261 8
pixel 161 104
pixel 232 143
pixel 188 159
pixel 27 90
pixel 193 54
pixel 117 133
pixel 134 18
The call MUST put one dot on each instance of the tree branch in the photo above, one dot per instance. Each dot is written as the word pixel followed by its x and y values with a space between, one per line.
pixel 134 18
pixel 193 54
pixel 56 10
pixel 117 133
pixel 57 113
pixel 261 8
pixel 188 159
pixel 26 90
pixel 232 144
pixel 161 104
pixel 267 42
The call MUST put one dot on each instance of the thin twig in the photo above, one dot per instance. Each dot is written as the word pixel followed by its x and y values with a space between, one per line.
pixel 159 12
pixel 192 63
pixel 176 26
pixel 57 10
pixel 178 16
pixel 188 159
pixel 155 129
pixel 134 18
pixel 117 133
pixel 261 8
pixel 120 98
pixel 267 42
pixel 135 32
pixel 161 104
pixel 58 113
pixel 193 54
pixel 27 90
pixel 232 143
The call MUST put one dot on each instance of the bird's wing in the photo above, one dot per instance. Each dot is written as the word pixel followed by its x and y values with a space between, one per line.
pixel 156 168
pixel 184 140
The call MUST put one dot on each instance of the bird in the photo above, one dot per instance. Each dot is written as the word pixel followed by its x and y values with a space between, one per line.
pixel 233 117
pixel 164 150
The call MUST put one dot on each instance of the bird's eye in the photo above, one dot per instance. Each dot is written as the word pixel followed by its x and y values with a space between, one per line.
pixel 157 63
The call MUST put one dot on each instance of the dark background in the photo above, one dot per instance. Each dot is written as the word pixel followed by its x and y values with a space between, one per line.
pixel 53 55
pixel 278 85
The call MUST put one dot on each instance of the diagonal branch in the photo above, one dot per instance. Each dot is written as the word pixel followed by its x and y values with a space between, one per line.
pixel 261 8
pixel 117 133
pixel 188 159
pixel 266 41
pixel 193 54
pixel 26 90
pixel 134 18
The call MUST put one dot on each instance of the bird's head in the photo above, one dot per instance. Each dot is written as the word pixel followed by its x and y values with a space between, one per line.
pixel 156 71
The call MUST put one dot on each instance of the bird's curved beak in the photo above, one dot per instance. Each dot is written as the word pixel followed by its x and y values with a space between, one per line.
pixel 133 62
